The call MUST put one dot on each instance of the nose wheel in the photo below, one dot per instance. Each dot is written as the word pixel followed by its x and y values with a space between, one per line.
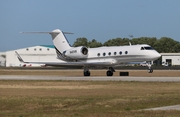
pixel 150 70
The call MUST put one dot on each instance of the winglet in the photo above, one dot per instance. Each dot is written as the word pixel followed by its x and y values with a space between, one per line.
pixel 19 57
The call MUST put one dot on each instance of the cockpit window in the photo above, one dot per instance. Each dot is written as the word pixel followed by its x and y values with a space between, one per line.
pixel 142 48
pixel 147 48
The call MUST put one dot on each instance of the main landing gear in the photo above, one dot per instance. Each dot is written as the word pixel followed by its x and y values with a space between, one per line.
pixel 86 72
pixel 108 73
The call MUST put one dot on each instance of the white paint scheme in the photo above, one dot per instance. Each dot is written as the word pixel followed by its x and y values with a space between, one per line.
pixel 59 40
pixel 73 56
pixel 134 54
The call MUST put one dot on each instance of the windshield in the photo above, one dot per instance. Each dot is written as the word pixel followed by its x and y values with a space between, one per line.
pixel 147 48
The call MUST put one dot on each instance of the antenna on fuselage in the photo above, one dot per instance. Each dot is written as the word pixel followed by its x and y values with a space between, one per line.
pixel 131 36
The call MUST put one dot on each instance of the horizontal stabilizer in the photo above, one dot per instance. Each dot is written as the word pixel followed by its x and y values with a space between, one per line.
pixel 53 32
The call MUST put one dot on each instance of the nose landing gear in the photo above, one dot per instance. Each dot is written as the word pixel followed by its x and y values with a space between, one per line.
pixel 150 70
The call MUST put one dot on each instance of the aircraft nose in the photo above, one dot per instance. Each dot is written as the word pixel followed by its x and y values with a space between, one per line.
pixel 157 55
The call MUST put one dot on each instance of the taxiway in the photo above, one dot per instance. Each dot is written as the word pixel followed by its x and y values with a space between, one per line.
pixel 99 78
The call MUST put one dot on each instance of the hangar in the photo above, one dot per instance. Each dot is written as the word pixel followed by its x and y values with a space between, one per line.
pixel 42 53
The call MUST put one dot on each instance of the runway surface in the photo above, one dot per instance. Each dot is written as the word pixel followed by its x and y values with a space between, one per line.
pixel 102 78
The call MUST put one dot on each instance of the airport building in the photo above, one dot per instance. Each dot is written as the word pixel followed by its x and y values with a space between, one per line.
pixel 47 53
pixel 42 53
pixel 170 59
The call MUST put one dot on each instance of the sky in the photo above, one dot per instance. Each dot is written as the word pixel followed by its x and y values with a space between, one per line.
pixel 94 19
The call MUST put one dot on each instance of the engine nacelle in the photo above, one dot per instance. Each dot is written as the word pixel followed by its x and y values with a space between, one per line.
pixel 77 53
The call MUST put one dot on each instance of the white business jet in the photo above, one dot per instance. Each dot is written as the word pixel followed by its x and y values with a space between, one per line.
pixel 101 56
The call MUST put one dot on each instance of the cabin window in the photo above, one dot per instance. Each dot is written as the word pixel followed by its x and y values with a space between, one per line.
pixel 40 49
pixel 34 49
pixel 120 52
pixel 98 54
pixel 47 49
pixel 109 53
pixel 126 52
pixel 104 54
pixel 115 53
pixel 27 49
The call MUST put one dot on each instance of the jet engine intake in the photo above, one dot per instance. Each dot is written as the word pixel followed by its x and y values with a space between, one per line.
pixel 77 53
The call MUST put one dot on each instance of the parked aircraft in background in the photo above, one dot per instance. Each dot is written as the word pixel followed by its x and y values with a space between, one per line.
pixel 101 56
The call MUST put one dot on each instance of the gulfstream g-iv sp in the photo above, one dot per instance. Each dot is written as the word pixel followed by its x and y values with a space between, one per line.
pixel 101 56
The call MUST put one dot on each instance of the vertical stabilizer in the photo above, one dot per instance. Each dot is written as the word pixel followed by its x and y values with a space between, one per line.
pixel 59 40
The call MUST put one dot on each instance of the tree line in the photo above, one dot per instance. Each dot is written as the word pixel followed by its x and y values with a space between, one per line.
pixel 162 45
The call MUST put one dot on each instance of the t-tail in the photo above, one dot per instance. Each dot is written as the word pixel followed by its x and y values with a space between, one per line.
pixel 60 42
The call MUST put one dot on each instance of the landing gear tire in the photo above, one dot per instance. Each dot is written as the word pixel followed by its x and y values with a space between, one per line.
pixel 109 73
pixel 150 70
pixel 87 73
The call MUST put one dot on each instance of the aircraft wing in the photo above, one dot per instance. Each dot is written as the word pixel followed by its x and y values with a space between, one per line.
pixel 66 63
pixel 72 63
